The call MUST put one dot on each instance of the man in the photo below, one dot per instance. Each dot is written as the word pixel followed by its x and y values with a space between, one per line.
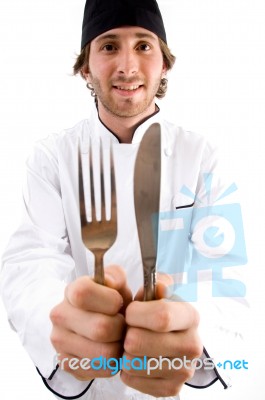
pixel 59 312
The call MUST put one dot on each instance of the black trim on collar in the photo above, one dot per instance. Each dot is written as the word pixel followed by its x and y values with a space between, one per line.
pixel 52 374
pixel 202 387
pixel 114 134
pixel 215 370
pixel 187 206
pixel 60 395
pixel 218 376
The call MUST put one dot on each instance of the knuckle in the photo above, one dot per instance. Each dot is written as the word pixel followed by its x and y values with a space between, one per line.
pixel 79 291
pixel 56 315
pixel 188 374
pixel 191 346
pixel 107 329
pixel 197 349
pixel 115 304
pixel 56 339
pixel 194 347
pixel 133 342
pixel 195 317
pixel 101 329
pixel 78 294
pixel 163 319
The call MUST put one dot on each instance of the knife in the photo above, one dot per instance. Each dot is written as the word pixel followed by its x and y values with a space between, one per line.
pixel 147 174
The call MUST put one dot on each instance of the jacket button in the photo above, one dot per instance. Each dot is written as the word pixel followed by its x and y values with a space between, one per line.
pixel 168 152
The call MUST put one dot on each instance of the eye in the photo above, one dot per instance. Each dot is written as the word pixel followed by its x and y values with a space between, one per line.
pixel 144 47
pixel 108 47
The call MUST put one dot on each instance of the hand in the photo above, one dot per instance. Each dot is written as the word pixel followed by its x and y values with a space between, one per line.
pixel 89 323
pixel 156 329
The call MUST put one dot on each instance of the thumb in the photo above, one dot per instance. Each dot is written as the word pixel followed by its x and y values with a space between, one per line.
pixel 115 278
pixel 161 289
pixel 163 283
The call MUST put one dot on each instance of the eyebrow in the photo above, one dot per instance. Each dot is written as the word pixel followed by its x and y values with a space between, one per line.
pixel 111 36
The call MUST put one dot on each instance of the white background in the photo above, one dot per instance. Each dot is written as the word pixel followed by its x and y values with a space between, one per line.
pixel 217 88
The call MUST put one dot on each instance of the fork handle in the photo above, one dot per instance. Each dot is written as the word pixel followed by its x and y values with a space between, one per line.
pixel 99 268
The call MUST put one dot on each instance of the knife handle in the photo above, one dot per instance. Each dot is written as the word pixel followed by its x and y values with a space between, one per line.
pixel 149 286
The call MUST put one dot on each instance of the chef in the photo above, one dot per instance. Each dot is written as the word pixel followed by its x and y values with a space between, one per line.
pixel 69 324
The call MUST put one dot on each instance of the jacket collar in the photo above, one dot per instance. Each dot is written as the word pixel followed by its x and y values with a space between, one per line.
pixel 103 131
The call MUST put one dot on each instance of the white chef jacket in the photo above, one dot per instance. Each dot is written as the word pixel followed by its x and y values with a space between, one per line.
pixel 46 252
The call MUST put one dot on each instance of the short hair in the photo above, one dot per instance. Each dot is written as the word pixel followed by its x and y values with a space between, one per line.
pixel 169 60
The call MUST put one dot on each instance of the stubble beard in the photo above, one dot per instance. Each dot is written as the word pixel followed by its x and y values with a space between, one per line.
pixel 129 107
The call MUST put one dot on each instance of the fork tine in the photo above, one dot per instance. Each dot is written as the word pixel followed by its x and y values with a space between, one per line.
pixel 102 182
pixel 92 185
pixel 107 178
pixel 113 210
pixel 82 205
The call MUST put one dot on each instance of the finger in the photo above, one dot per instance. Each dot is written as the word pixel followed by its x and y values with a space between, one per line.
pixel 115 277
pixel 94 326
pixel 161 315
pixel 154 387
pixel 141 342
pixel 71 343
pixel 163 282
pixel 87 295
pixel 139 295
pixel 120 284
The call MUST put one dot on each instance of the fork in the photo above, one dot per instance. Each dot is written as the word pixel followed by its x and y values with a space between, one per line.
pixel 98 212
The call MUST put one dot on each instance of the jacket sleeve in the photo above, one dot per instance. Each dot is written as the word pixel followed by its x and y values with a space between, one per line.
pixel 37 265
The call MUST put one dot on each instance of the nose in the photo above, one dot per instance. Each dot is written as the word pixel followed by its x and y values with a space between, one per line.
pixel 127 63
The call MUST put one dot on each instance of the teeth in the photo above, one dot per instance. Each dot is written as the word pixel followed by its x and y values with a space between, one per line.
pixel 128 87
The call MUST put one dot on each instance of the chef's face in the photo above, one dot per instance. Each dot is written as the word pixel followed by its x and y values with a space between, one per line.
pixel 125 68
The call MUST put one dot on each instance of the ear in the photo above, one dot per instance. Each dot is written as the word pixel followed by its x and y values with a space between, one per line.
pixel 164 70
pixel 85 73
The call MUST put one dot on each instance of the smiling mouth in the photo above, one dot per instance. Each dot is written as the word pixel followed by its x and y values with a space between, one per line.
pixel 128 88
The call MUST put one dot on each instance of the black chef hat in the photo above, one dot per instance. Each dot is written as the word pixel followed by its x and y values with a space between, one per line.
pixel 102 15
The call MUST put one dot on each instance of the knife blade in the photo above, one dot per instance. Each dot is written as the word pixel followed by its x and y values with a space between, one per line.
pixel 147 176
